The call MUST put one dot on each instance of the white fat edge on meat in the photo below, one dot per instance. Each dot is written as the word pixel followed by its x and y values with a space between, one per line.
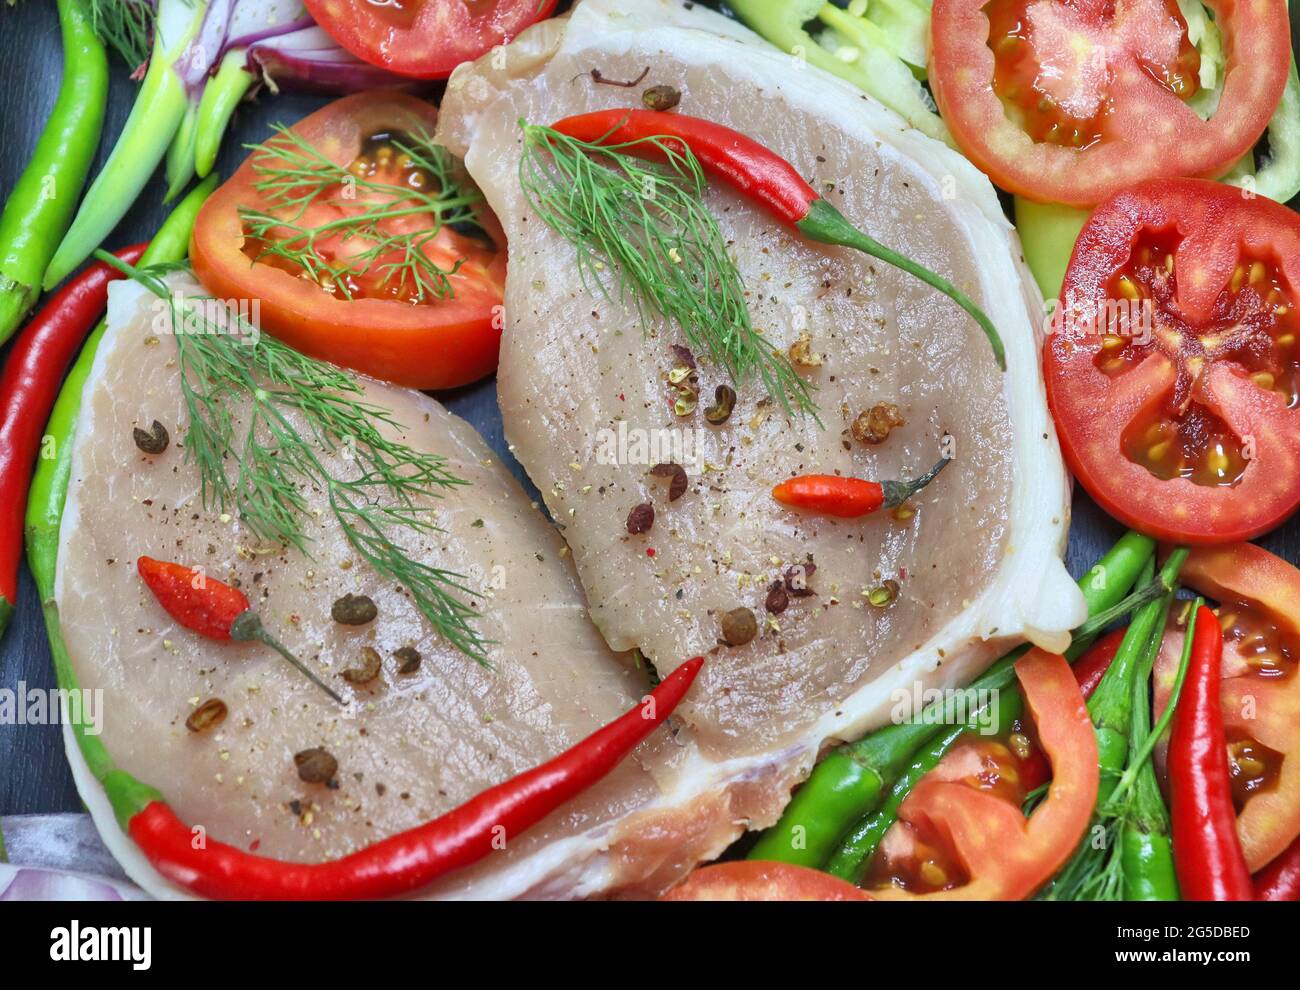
pixel 559 868
pixel 1033 595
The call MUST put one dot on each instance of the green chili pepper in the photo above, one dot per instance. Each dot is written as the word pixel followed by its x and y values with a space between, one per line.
pixel 42 202
pixel 220 97
pixel 851 859
pixel 849 783
pixel 49 492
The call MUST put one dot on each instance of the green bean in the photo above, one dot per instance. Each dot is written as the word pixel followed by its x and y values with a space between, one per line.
pixel 220 97
pixel 42 201
pixel 50 483
pixel 152 124
pixel 849 783
pixel 851 859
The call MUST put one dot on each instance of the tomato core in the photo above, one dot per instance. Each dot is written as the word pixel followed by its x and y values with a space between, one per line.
pixel 1058 93
pixel 1253 325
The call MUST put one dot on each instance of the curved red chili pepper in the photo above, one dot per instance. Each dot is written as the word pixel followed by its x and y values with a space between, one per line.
pixel 415 858
pixel 1280 880
pixel 740 161
pixel 28 387
pixel 763 176
pixel 1207 852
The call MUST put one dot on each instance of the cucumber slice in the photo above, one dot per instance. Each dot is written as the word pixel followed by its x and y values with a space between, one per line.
pixel 866 59
pixel 1047 235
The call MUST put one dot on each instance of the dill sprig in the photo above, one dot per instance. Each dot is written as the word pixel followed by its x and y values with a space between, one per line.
pixel 302 412
pixel 648 223
pixel 126 26
pixel 294 175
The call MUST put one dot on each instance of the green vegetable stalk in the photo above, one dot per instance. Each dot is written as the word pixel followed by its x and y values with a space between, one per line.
pixel 155 118
pixel 42 202
pixel 1047 235
pixel 49 492
pixel 871 51
pixel 849 783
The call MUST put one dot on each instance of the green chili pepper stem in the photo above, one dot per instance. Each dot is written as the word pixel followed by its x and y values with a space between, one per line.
pixel 827 225
pixel 49 492
pixel 42 202
pixel 1151 736
pixel 851 859
pixel 220 97
pixel 1148 591
pixel 158 111
pixel 179 163
pixel 847 784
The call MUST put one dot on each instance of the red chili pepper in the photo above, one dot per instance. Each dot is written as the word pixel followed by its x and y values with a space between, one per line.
pixel 761 175
pixel 414 858
pixel 848 498
pixel 1280 880
pixel 1207 852
pixel 213 609
pixel 1090 668
pixel 28 387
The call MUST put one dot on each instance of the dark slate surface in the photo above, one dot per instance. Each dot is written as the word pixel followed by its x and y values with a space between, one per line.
pixel 33 774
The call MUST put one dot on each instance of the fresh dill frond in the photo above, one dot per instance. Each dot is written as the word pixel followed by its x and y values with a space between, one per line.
pixel 370 213
pixel 645 226
pixel 126 26
pixel 301 413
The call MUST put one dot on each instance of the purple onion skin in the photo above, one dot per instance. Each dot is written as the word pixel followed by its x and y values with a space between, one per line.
pixel 309 75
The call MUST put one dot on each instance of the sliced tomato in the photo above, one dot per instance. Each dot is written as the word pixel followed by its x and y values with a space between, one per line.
pixel 753 880
pixel 1068 101
pixel 378 322
pixel 1172 367
pixel 425 39
pixel 978 833
pixel 1259 610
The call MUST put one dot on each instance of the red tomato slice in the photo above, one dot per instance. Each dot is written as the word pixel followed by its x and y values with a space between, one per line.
pixel 1172 368
pixel 1068 101
pixel 1002 854
pixel 752 880
pixel 1259 610
pixel 424 39
pixel 391 327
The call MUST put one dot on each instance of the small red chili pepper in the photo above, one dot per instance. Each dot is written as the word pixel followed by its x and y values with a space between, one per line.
pixel 1280 880
pixel 764 176
pixel 1207 852
pixel 30 383
pixel 1090 668
pixel 414 858
pixel 848 498
pixel 213 609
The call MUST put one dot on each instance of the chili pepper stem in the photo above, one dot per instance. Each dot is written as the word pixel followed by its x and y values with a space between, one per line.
pixel 898 492
pixel 248 627
pixel 1164 583
pixel 827 225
